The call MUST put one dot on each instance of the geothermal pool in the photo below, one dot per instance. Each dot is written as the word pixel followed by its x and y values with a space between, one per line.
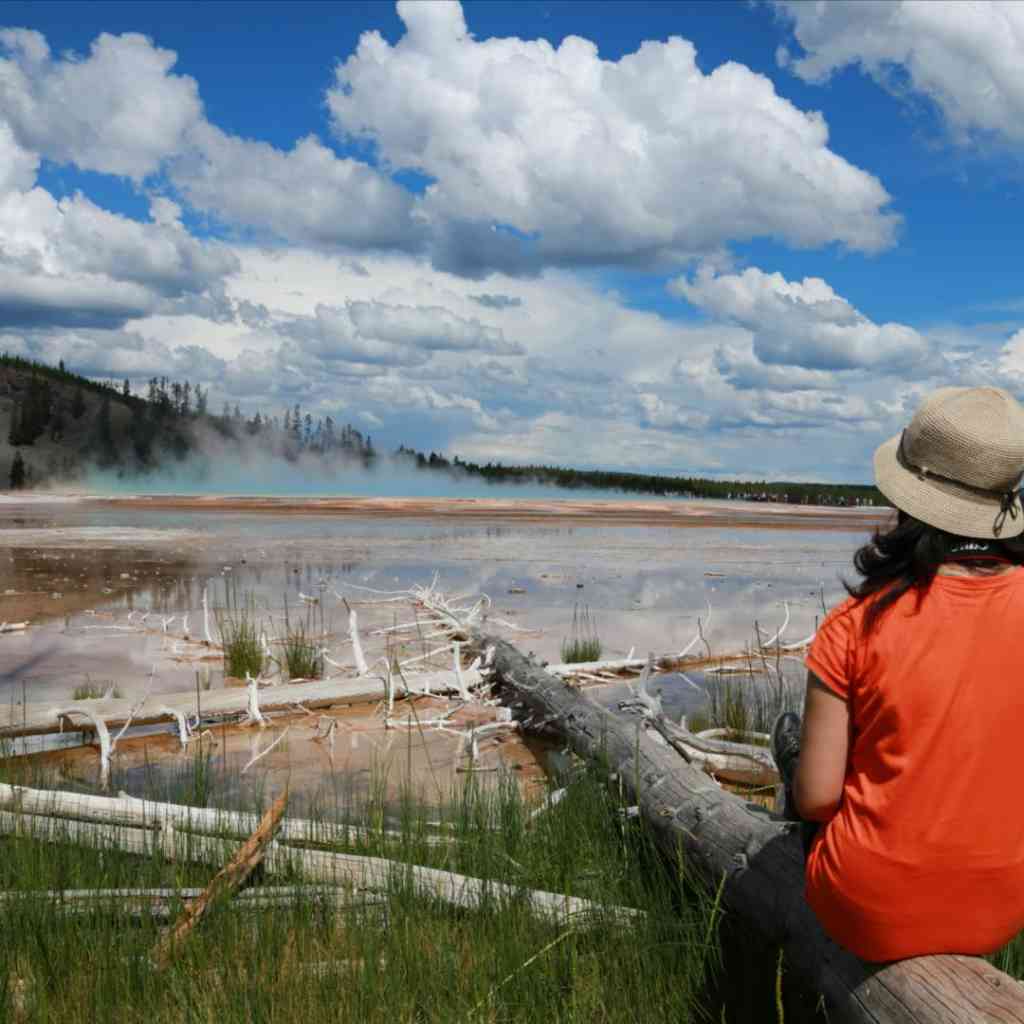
pixel 85 572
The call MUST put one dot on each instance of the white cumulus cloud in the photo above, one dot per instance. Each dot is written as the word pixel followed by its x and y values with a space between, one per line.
pixel 802 323
pixel 565 157
pixel 119 110
pixel 966 57
pixel 307 194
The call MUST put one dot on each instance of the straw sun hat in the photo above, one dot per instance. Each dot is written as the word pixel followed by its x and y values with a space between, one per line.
pixel 958 464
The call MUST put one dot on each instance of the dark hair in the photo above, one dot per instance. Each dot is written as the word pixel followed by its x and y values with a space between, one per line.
pixel 908 555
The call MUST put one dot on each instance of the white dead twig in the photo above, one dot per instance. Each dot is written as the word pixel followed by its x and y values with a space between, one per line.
pixel 264 753
pixel 206 618
pixel 357 647
pixel 700 635
pixel 185 734
pixel 782 629
pixel 797 645
pixel 253 716
pixel 642 699
pixel 553 799
pixel 102 734
pixel 136 707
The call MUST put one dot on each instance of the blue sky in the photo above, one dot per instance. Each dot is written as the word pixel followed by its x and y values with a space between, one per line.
pixel 726 238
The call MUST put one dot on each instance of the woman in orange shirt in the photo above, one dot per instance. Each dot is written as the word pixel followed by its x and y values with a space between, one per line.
pixel 909 752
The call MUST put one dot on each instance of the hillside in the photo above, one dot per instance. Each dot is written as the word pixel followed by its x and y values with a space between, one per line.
pixel 61 424
pixel 58 421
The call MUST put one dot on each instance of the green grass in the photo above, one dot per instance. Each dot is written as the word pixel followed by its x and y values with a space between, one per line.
pixel 583 644
pixel 422 961
pixel 749 702
pixel 93 691
pixel 302 644
pixel 239 631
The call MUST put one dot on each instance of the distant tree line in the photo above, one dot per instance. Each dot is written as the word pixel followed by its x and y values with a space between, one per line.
pixel 649 483
pixel 168 421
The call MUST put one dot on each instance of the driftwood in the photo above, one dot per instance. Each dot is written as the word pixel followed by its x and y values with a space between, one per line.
pixel 225 882
pixel 759 863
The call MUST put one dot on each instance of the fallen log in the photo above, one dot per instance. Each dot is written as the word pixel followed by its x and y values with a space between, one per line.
pixel 161 904
pixel 759 863
pixel 374 873
pixel 211 821
pixel 36 719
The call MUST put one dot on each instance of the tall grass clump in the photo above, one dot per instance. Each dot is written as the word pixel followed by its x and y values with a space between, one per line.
pixel 582 644
pixel 93 691
pixel 748 703
pixel 398 954
pixel 239 630
pixel 302 643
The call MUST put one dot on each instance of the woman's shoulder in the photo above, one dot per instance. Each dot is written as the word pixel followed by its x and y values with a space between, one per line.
pixel 849 611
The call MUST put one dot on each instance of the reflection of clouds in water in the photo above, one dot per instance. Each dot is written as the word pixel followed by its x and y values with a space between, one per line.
pixel 645 586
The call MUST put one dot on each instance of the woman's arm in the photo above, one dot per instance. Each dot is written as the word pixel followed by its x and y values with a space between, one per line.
pixel 824 748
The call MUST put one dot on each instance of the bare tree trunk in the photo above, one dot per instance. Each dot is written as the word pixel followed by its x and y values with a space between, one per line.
pixel 758 861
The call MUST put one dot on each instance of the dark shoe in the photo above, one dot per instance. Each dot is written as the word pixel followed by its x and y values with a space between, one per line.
pixel 786 745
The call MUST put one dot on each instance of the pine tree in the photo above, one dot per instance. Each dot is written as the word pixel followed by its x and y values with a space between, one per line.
pixel 18 475
pixel 14 434
pixel 104 435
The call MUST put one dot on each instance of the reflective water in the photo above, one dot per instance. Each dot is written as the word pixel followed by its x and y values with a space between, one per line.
pixel 85 576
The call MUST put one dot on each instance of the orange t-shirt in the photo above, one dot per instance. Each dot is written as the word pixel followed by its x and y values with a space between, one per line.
pixel 926 852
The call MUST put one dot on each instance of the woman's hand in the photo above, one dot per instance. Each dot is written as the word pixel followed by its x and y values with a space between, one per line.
pixel 824 749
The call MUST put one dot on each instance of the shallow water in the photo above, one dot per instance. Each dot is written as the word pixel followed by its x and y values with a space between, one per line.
pixel 86 575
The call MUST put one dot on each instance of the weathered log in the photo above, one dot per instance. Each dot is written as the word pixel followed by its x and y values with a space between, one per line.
pixel 226 882
pixel 38 718
pixel 211 821
pixel 374 873
pixel 759 863
pixel 160 904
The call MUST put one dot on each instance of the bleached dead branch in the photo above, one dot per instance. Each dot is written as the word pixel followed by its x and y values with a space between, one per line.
pixel 13 627
pixel 553 799
pixel 253 715
pixel 782 629
pixel 697 637
pixel 184 729
pixel 102 734
pixel 264 753
pixel 206 618
pixel 357 647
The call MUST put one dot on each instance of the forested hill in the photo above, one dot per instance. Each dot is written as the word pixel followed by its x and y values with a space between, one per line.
pixel 55 424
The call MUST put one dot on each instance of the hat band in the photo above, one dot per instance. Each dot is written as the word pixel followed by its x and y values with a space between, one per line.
pixel 1007 499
